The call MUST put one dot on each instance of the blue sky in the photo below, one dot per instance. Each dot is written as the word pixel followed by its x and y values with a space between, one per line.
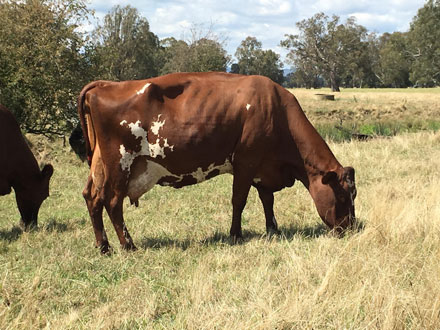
pixel 267 20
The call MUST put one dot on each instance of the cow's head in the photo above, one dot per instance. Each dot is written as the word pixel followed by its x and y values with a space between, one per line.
pixel 77 142
pixel 31 196
pixel 334 196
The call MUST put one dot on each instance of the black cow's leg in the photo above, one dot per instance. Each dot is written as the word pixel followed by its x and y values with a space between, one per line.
pixel 240 190
pixel 266 197
pixel 114 209
pixel 95 207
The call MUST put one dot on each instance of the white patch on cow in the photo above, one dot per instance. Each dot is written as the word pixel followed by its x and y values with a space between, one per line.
pixel 248 106
pixel 157 125
pixel 257 180
pixel 166 145
pixel 156 149
pixel 142 91
pixel 200 174
pixel 147 149
pixel 127 158
pixel 137 130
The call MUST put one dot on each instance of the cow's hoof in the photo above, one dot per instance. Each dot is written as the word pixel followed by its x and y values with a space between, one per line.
pixel 272 232
pixel 28 227
pixel 104 248
pixel 236 239
pixel 129 246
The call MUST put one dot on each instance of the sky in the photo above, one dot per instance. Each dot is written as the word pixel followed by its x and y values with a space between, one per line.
pixel 266 20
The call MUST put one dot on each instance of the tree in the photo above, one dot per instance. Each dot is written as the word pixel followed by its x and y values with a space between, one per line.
pixel 424 45
pixel 247 55
pixel 330 47
pixel 176 56
pixel 203 52
pixel 393 66
pixel 42 68
pixel 252 59
pixel 207 55
pixel 126 48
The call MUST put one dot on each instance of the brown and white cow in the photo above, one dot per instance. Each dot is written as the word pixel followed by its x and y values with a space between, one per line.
pixel 19 170
pixel 181 129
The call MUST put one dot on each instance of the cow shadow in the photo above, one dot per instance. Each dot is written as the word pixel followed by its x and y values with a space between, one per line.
pixel 54 226
pixel 11 235
pixel 16 231
pixel 218 238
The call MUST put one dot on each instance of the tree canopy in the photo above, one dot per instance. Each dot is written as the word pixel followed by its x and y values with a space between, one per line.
pixel 126 48
pixel 333 49
pixel 41 63
pixel 424 45
pixel 252 59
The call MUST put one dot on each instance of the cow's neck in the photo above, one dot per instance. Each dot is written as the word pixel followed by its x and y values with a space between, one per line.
pixel 317 158
pixel 28 172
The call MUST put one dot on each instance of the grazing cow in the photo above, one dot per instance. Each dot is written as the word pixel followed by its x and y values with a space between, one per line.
pixel 184 128
pixel 19 170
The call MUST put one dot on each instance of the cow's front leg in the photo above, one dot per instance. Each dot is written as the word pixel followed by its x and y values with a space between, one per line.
pixel 95 207
pixel 114 209
pixel 240 191
pixel 266 197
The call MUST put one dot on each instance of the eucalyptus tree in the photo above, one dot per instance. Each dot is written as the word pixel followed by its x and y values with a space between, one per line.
pixel 424 45
pixel 203 51
pixel 252 59
pixel 330 47
pixel 125 47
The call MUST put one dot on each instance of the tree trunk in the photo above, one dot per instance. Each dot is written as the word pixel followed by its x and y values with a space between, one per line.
pixel 334 82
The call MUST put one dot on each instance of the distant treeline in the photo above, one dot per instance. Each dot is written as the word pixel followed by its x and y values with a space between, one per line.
pixel 46 57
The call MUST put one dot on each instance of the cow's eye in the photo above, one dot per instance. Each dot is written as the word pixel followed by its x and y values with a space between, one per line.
pixel 341 198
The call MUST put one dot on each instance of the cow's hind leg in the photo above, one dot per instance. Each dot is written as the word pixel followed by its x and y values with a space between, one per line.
pixel 95 207
pixel 114 209
pixel 266 197
pixel 240 189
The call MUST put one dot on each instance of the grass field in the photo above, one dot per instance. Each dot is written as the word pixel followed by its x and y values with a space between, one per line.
pixel 372 112
pixel 186 275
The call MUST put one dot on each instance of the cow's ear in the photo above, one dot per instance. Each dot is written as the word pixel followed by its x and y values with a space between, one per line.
pixel 47 171
pixel 329 177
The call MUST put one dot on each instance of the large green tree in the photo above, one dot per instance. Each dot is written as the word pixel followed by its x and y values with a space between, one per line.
pixel 252 59
pixel 424 45
pixel 330 47
pixel 392 67
pixel 42 68
pixel 125 47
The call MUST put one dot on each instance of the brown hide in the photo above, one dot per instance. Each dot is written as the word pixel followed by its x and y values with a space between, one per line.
pixel 181 129
pixel 19 170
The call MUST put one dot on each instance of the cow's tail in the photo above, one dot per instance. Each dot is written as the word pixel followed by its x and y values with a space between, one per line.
pixel 86 122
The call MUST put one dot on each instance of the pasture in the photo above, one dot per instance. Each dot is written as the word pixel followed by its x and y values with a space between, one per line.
pixel 186 274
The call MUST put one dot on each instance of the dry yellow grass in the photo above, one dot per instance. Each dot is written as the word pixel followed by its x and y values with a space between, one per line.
pixel 366 105
pixel 186 275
